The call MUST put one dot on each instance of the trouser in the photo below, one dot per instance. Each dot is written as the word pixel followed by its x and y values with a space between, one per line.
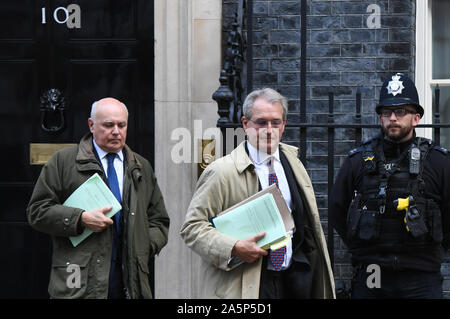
pixel 396 284
pixel 273 285
pixel 115 286
pixel 294 282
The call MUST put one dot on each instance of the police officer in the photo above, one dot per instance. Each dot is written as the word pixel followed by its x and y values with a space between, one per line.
pixel 390 203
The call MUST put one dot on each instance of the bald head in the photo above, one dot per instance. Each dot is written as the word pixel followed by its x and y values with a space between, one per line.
pixel 108 124
pixel 105 102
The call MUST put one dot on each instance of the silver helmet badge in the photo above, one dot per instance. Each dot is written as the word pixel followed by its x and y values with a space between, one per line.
pixel 395 86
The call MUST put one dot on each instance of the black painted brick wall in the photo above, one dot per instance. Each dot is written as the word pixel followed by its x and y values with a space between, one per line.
pixel 343 55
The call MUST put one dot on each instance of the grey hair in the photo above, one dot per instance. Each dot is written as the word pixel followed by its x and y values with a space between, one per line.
pixel 270 95
pixel 94 110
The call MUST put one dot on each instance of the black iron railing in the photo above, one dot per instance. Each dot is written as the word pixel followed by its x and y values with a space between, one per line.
pixel 230 96
pixel 331 127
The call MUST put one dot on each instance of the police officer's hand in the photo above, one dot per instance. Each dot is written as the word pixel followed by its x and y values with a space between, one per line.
pixel 247 249
pixel 96 220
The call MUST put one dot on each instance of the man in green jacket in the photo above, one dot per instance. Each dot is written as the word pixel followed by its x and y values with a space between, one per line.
pixel 301 269
pixel 113 261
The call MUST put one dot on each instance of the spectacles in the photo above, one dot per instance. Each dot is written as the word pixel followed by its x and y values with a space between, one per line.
pixel 264 123
pixel 398 112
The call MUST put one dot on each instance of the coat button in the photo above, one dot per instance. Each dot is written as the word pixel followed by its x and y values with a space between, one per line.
pixel 66 221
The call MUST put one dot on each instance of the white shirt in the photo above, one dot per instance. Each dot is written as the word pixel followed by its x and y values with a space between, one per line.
pixel 261 161
pixel 118 164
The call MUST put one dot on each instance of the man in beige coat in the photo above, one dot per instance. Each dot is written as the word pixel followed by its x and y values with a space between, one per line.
pixel 304 270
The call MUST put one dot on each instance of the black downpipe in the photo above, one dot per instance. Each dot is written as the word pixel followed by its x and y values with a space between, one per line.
pixel 303 81
pixel 249 55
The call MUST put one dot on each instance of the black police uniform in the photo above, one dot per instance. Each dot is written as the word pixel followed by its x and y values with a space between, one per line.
pixel 364 212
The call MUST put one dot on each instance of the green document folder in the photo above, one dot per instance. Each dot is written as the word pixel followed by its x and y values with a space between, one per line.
pixel 92 194
pixel 256 216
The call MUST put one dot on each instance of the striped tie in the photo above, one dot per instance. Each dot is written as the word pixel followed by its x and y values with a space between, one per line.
pixel 276 256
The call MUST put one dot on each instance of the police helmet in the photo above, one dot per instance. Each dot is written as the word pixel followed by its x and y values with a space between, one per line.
pixel 399 90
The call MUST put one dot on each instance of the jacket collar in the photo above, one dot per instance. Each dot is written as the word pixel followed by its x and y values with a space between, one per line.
pixel 289 150
pixel 242 160
pixel 102 154
pixel 260 157
pixel 86 156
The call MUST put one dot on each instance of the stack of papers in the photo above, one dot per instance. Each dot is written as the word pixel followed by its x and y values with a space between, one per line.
pixel 92 194
pixel 266 212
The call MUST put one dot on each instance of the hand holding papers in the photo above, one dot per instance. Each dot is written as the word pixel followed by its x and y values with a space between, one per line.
pixel 265 211
pixel 92 194
pixel 252 218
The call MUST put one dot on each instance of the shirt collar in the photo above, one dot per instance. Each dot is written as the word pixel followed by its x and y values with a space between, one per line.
pixel 259 157
pixel 101 153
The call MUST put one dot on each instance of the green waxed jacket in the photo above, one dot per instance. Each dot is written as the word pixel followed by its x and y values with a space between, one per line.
pixel 146 223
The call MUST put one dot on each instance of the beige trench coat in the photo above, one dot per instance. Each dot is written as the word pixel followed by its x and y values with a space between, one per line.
pixel 224 183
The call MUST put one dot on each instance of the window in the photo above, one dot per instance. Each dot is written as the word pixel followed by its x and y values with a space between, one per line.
pixel 433 61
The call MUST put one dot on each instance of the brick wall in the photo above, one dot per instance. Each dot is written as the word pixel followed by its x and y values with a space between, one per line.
pixel 344 54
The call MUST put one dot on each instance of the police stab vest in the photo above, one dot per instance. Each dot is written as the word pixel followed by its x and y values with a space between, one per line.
pixel 390 212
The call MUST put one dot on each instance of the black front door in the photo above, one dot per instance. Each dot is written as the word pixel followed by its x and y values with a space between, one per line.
pixel 86 50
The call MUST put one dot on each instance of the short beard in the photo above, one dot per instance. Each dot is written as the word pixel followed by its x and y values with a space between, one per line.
pixel 404 131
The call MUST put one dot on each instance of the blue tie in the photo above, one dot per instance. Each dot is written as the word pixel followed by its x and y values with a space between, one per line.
pixel 115 274
pixel 114 186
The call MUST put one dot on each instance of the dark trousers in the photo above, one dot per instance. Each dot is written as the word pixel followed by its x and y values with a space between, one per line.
pixel 115 289
pixel 273 285
pixel 115 286
pixel 397 284
pixel 292 283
